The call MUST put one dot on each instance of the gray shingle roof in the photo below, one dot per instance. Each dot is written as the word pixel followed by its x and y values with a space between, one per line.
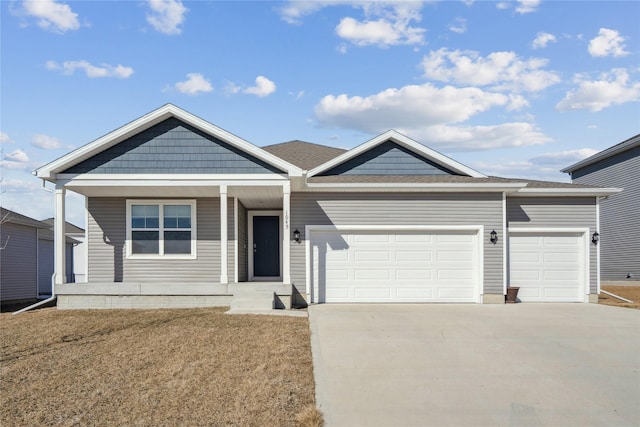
pixel 12 217
pixel 69 228
pixel 305 155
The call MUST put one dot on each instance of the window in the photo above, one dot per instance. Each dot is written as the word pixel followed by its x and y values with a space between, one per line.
pixel 161 228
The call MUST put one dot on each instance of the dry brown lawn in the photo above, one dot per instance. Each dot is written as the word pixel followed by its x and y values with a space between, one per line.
pixel 629 292
pixel 196 367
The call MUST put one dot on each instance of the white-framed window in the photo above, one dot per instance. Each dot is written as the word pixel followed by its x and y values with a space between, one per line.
pixel 161 228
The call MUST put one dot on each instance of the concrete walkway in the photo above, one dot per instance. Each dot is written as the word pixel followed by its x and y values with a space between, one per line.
pixel 477 365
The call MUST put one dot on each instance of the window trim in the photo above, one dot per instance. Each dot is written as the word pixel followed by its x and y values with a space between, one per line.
pixel 161 203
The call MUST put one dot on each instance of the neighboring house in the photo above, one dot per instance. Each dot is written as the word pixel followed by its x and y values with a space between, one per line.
pixel 26 260
pixel 617 166
pixel 19 256
pixel 182 213
pixel 78 272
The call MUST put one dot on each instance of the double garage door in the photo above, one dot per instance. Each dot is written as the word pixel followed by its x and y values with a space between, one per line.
pixel 395 266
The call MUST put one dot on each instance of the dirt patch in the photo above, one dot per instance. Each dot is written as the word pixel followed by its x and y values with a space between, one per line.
pixel 629 292
pixel 157 367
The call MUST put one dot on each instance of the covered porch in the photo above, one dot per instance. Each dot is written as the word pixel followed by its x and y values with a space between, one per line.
pixel 240 241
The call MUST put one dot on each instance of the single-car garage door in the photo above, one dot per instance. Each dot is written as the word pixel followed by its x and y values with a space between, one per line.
pixel 395 266
pixel 548 267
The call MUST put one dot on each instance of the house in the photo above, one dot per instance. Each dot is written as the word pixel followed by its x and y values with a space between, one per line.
pixel 617 166
pixel 26 259
pixel 181 213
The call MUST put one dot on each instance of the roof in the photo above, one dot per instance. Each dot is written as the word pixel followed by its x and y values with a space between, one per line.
pixel 133 128
pixel 407 143
pixel 69 228
pixel 305 155
pixel 628 144
pixel 438 179
pixel 47 234
pixel 12 217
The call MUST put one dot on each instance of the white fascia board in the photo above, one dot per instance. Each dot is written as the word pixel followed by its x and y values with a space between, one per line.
pixel 49 170
pixel 414 186
pixel 563 192
pixel 405 141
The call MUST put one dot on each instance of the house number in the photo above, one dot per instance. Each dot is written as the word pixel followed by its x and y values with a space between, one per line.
pixel 286 220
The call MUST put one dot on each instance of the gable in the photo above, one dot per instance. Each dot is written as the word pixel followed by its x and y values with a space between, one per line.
pixel 172 147
pixel 388 158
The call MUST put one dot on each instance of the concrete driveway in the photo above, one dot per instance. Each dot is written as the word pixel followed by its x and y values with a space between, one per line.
pixel 477 365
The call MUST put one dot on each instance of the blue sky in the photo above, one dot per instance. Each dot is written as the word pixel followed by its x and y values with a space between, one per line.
pixel 514 88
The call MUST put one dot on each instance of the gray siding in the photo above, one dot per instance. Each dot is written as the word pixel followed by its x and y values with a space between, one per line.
pixel 18 262
pixel 619 213
pixel 556 212
pixel 400 209
pixel 173 147
pixel 388 158
pixel 243 243
pixel 45 265
pixel 107 251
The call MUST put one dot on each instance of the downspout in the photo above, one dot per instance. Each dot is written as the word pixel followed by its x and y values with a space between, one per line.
pixel 53 288
pixel 43 302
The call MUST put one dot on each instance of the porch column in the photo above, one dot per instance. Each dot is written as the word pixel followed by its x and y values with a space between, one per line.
pixel 224 279
pixel 286 243
pixel 59 237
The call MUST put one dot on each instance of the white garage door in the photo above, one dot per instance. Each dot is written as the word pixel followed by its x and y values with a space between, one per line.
pixel 397 266
pixel 548 267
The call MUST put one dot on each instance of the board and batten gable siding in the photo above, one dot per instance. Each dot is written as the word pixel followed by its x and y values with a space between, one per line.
pixel 173 147
pixel 557 212
pixel 412 209
pixel 619 213
pixel 388 158
pixel 18 262
pixel 107 250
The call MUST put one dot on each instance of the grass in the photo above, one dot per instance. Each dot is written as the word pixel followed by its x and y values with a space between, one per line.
pixel 191 367
pixel 629 292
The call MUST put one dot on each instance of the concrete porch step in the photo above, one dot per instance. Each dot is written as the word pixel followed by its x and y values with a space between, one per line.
pixel 253 301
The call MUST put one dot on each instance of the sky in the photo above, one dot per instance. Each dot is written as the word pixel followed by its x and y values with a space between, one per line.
pixel 512 88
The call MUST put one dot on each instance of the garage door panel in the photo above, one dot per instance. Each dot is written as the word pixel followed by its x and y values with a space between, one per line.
pixel 548 267
pixel 410 267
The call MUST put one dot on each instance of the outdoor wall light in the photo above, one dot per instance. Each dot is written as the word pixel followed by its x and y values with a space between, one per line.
pixel 595 237
pixel 493 237
pixel 296 236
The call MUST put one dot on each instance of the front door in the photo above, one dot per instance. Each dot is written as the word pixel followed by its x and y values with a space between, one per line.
pixel 266 246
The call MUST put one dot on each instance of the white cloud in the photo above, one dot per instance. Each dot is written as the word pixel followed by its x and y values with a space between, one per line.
pixel 45 142
pixel 19 185
pixel 407 106
pixel 194 84
pixel 91 71
pixel 607 43
pixel 167 16
pixel 18 159
pixel 527 6
pixel 385 24
pixel 427 113
pixel 613 88
pixel 522 6
pixel 263 87
pixel 4 138
pixel 542 40
pixel 51 15
pixel 561 159
pixel 294 11
pixel 459 26
pixel 500 70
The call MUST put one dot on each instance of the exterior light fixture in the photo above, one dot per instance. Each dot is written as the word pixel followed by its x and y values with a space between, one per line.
pixel 493 237
pixel 595 237
pixel 296 236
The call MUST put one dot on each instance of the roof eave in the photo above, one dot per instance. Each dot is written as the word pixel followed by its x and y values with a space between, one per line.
pixel 566 192
pixel 416 186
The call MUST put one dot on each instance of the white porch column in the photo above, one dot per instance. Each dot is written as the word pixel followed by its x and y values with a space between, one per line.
pixel 59 237
pixel 224 238
pixel 286 232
